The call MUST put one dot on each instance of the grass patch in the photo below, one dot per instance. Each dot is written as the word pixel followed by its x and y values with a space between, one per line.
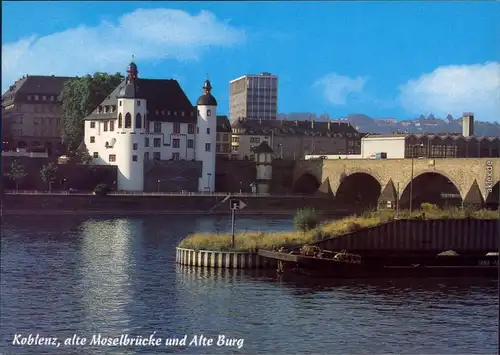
pixel 253 241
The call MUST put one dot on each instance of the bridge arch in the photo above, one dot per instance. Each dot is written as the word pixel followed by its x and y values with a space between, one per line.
pixel 307 183
pixel 431 187
pixel 493 197
pixel 359 191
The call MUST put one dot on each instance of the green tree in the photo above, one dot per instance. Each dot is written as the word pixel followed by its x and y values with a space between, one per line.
pixel 305 219
pixel 16 173
pixel 79 98
pixel 49 174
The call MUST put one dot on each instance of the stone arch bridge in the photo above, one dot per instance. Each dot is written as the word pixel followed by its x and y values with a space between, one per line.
pixel 466 180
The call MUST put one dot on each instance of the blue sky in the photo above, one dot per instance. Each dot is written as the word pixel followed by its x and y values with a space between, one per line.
pixel 384 59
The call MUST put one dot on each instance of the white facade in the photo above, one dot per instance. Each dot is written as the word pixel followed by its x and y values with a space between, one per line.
pixel 128 148
pixel 206 137
pixel 394 146
pixel 264 171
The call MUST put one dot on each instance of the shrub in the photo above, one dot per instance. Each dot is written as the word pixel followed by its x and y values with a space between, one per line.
pixel 102 190
pixel 305 219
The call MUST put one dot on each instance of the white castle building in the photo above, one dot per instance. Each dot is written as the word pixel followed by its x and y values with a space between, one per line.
pixel 152 119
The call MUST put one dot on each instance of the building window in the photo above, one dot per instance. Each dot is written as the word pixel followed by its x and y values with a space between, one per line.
pixel 138 103
pixel 29 97
pixel 119 102
pixel 95 155
pixel 128 120
pixel 175 113
pixel 36 97
pixel 190 128
pixel 207 147
pixel 177 128
pixel 190 143
pixel 156 156
pixel 92 124
pixel 255 140
pixel 225 138
pixel 209 112
pixel 138 121
pixel 235 139
pixel 105 126
pixel 176 156
pixel 217 148
pixel 146 142
pixel 197 130
pixel 112 158
pixel 111 126
pixel 182 113
pixel 198 112
pixel 134 157
pixel 176 143
pixel 157 127
pixel 146 156
pixel 120 120
pixel 134 146
pixel 92 139
pixel 218 137
pixel 157 142
pixel 208 130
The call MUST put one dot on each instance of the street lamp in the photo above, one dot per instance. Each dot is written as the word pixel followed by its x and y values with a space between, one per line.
pixel 281 150
pixel 158 186
pixel 209 174
pixel 412 168
pixel 64 185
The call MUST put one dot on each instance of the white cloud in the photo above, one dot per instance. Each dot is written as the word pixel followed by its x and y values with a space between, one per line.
pixel 455 89
pixel 149 34
pixel 337 89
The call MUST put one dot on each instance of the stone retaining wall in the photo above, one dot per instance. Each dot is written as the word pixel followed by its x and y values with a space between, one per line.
pixel 221 259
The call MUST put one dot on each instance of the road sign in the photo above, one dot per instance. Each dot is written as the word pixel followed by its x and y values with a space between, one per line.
pixel 237 204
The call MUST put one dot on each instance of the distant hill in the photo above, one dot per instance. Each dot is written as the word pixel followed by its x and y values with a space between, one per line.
pixel 422 124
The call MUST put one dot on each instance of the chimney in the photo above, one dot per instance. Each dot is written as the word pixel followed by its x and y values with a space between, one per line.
pixel 468 124
pixel 329 125
pixel 312 124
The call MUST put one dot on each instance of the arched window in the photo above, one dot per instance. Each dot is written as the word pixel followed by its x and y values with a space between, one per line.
pixel 138 121
pixel 120 119
pixel 128 120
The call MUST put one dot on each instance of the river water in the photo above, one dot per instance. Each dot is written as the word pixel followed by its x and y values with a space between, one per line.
pixel 69 276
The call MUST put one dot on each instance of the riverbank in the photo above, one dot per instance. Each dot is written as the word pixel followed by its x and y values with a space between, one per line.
pixel 26 204
pixel 253 241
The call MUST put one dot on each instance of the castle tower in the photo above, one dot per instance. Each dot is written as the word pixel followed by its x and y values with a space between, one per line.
pixel 264 160
pixel 129 146
pixel 206 135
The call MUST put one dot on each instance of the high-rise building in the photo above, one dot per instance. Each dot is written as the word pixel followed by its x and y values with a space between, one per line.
pixel 254 97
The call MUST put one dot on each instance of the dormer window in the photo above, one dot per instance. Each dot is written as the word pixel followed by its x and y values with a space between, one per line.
pixel 100 109
pixel 163 112
pixel 209 112
pixel 52 98
pixel 192 113
pixel 182 113
pixel 44 98
pixel 175 113
pixel 36 97
pixel 29 97
pixel 168 113
pixel 106 108
pixel 157 112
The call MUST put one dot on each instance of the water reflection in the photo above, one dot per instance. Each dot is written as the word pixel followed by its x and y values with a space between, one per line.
pixel 104 280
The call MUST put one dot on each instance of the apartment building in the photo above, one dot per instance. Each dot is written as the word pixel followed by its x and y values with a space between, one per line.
pixel 223 142
pixel 254 96
pixel 292 140
pixel 32 112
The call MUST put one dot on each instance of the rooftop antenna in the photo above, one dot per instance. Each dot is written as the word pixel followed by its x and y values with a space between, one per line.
pixel 133 57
